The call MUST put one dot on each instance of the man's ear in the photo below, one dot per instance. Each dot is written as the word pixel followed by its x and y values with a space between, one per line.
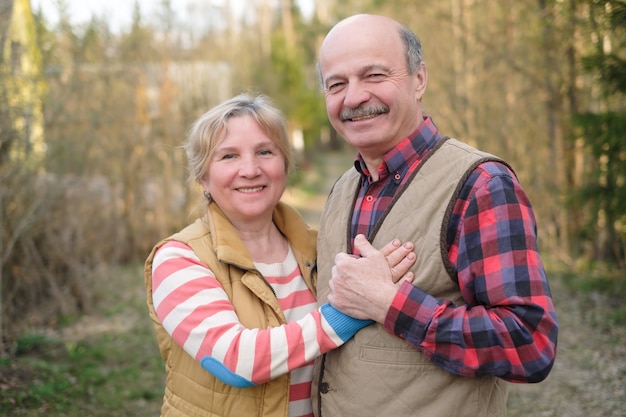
pixel 421 76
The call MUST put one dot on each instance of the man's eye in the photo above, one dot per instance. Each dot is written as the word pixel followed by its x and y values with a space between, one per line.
pixel 334 87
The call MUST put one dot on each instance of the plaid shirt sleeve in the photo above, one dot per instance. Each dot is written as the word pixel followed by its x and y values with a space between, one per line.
pixel 508 326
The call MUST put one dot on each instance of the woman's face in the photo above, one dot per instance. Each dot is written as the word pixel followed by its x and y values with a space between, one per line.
pixel 246 175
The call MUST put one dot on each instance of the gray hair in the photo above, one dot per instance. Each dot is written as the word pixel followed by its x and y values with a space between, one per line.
pixel 413 46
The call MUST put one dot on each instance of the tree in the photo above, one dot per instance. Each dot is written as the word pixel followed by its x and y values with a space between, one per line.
pixel 602 128
pixel 22 147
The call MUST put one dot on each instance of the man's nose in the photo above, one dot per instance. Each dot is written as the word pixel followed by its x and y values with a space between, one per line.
pixel 356 94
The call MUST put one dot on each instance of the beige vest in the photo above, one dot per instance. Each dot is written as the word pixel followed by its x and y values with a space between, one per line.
pixel 191 391
pixel 376 373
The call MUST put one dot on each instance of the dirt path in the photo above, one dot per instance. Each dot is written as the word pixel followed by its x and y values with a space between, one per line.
pixel 589 376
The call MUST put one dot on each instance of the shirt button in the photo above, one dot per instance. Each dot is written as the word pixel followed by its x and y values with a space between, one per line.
pixel 324 388
pixel 369 198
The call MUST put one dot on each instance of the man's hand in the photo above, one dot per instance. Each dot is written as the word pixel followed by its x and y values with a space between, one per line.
pixel 364 287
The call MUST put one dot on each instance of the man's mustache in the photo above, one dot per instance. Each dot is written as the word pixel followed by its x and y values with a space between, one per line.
pixel 361 112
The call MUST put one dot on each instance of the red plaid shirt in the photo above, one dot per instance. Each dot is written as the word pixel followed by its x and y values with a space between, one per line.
pixel 508 326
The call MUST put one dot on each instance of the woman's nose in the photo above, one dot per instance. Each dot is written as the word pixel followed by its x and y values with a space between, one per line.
pixel 249 167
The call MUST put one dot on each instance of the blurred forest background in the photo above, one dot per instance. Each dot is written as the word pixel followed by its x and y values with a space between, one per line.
pixel 91 119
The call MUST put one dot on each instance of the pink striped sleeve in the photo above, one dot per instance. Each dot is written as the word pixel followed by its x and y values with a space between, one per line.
pixel 195 310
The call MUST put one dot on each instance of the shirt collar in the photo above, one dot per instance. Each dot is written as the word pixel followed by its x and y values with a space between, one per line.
pixel 407 151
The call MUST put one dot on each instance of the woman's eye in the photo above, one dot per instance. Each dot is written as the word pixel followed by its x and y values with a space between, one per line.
pixel 266 152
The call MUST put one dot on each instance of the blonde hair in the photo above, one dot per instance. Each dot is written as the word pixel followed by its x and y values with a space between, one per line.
pixel 210 128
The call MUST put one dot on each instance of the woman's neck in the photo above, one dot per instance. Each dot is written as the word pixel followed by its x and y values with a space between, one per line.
pixel 266 245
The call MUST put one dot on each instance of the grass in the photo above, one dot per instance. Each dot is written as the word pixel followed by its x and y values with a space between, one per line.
pixel 98 370
pixel 599 284
pixel 111 366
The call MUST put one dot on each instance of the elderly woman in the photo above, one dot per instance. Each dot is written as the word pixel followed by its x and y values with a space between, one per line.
pixel 232 296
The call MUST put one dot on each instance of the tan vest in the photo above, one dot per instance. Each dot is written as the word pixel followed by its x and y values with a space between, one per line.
pixel 191 391
pixel 376 373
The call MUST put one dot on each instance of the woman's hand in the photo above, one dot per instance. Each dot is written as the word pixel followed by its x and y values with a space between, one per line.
pixel 400 257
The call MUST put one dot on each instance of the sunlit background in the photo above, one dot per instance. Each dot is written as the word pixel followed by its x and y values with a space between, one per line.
pixel 96 97
pixel 118 13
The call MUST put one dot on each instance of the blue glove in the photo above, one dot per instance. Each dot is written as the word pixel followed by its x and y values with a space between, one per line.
pixel 345 326
pixel 224 374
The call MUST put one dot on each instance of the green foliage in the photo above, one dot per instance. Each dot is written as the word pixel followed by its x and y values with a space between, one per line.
pixel 289 80
pixel 116 371
pixel 105 375
pixel 29 343
pixel 594 279
pixel 604 134
pixel 608 61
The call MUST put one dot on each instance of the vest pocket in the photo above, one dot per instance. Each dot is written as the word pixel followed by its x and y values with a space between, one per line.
pixel 393 355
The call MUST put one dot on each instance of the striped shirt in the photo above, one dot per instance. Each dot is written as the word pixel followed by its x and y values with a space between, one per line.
pixel 508 326
pixel 195 310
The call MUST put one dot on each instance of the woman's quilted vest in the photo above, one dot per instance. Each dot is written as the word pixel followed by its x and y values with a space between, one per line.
pixel 190 391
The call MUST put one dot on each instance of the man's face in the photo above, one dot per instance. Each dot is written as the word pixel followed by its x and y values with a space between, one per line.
pixel 371 99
